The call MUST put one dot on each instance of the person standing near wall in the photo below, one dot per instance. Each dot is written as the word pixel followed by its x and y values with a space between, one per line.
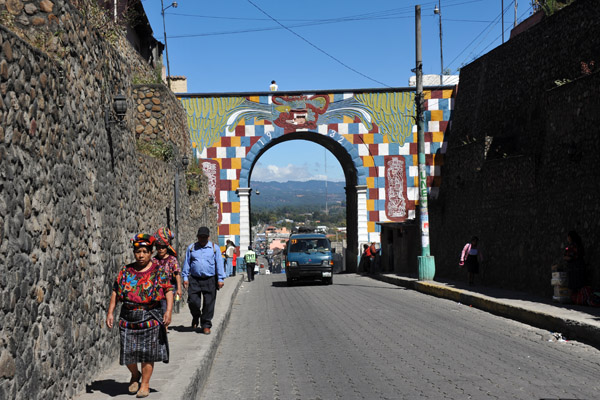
pixel 365 262
pixel 250 259
pixel 166 257
pixel 573 255
pixel 229 251
pixel 203 273
pixel 141 286
pixel 471 256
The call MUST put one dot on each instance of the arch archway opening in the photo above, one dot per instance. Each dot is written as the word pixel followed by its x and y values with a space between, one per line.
pixel 350 177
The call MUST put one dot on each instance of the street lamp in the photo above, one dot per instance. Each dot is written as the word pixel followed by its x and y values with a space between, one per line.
pixel 437 10
pixel 162 7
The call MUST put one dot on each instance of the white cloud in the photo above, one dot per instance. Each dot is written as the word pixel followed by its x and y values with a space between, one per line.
pixel 290 172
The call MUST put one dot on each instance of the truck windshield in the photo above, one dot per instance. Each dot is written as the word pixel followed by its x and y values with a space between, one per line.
pixel 309 245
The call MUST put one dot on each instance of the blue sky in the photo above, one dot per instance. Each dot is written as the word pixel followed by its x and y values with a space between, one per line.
pixel 241 45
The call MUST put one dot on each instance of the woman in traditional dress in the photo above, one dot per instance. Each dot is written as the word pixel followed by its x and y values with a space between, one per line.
pixel 140 286
pixel 471 256
pixel 166 257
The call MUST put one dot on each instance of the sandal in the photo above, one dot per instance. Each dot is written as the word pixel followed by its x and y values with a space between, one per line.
pixel 134 384
pixel 143 393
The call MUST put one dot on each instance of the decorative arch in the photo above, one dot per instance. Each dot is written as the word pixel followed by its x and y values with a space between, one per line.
pixel 372 131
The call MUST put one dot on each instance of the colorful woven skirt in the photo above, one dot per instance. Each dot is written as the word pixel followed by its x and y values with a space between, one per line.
pixel 143 336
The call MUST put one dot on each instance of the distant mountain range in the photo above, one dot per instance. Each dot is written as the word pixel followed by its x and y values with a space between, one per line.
pixel 296 193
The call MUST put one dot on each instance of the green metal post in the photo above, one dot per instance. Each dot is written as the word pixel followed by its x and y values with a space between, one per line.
pixel 426 260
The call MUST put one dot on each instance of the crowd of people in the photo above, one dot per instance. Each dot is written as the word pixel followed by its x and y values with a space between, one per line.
pixel 147 288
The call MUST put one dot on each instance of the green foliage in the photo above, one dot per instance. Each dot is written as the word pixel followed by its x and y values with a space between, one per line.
pixel 100 19
pixel 156 148
pixel 193 183
pixel 7 19
pixel 550 6
pixel 154 78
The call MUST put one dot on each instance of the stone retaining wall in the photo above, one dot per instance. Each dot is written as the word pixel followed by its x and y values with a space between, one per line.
pixel 521 168
pixel 72 193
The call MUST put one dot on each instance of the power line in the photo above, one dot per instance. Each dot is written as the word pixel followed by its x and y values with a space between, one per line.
pixel 498 37
pixel 318 48
pixel 493 23
pixel 390 14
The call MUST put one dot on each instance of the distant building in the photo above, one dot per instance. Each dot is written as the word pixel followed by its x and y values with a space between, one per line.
pixel 131 15
pixel 179 84
pixel 434 80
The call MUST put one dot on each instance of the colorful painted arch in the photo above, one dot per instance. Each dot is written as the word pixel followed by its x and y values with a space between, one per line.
pixel 372 132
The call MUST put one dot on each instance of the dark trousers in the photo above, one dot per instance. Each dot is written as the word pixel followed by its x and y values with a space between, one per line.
pixel 202 294
pixel 250 271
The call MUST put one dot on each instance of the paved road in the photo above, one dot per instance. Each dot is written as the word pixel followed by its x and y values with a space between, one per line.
pixel 364 339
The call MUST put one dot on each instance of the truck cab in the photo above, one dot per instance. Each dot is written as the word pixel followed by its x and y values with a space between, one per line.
pixel 308 257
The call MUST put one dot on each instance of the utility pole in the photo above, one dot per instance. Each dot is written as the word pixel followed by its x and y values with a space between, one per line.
pixel 326 209
pixel 502 5
pixel 438 10
pixel 516 4
pixel 426 260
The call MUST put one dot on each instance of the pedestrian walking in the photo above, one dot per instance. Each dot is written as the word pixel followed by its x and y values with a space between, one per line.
pixel 471 256
pixel 141 286
pixel 234 262
pixel 229 251
pixel 203 275
pixel 250 259
pixel 166 257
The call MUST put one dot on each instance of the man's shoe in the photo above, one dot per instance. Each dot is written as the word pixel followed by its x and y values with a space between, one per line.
pixel 195 323
pixel 206 331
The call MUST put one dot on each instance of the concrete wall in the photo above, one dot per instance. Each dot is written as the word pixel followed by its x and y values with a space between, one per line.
pixel 521 168
pixel 72 193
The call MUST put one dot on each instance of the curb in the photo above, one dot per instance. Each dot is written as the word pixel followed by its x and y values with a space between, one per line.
pixel 571 328
pixel 202 371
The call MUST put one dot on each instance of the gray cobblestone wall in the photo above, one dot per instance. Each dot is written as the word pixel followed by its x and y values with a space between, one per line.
pixel 521 168
pixel 72 193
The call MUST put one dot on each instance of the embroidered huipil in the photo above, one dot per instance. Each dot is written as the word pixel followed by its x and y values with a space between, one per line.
pixel 170 265
pixel 142 287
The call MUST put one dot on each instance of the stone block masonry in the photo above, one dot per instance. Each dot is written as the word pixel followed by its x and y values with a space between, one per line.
pixel 72 193
pixel 521 168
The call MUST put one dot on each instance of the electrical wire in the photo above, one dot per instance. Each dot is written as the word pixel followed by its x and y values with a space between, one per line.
pixel 499 36
pixel 390 14
pixel 493 23
pixel 318 48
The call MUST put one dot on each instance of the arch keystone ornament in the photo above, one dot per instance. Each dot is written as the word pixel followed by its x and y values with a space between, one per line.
pixel 370 132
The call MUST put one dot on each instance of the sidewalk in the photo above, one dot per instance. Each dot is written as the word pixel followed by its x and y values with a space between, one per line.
pixel 192 353
pixel 581 323
pixel 191 356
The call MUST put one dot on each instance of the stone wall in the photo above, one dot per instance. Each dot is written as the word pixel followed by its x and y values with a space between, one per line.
pixel 72 193
pixel 521 168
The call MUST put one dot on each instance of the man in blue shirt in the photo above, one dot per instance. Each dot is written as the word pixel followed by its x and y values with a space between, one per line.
pixel 203 273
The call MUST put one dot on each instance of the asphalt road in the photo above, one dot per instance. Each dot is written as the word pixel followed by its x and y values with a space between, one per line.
pixel 365 339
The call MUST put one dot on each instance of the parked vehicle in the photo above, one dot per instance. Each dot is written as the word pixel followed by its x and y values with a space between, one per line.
pixel 308 256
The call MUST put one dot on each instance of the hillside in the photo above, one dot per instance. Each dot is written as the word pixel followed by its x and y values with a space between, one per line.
pixel 297 194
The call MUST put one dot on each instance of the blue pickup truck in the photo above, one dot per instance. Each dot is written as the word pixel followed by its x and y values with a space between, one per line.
pixel 308 256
